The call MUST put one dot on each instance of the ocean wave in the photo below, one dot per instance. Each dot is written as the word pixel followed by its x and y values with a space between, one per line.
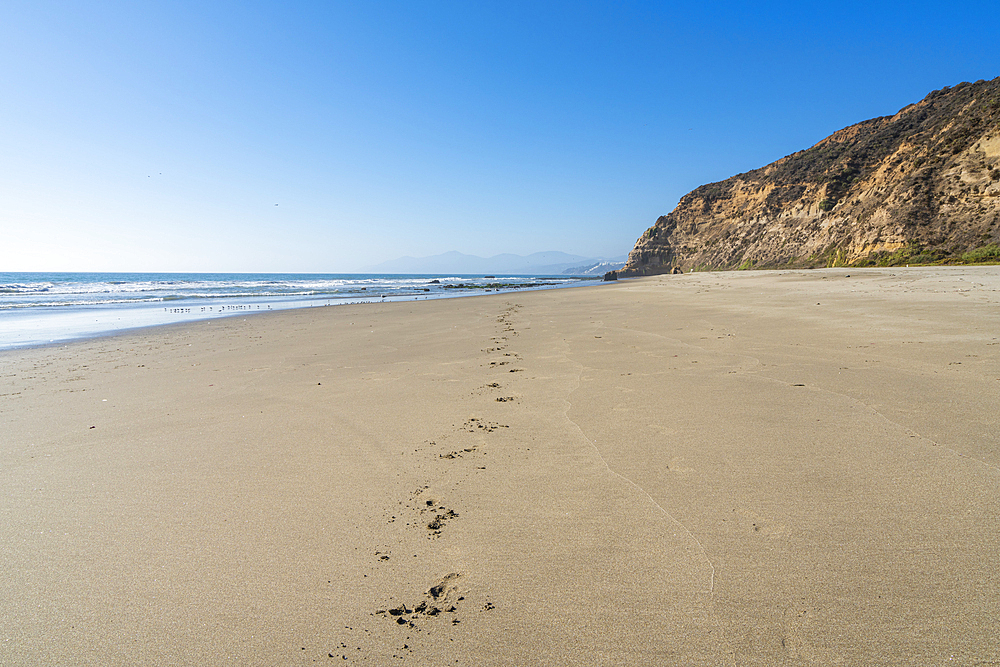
pixel 16 288
pixel 20 291
pixel 236 288
pixel 84 301
pixel 74 304
pixel 194 288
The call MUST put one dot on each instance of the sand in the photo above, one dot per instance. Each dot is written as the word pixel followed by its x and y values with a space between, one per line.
pixel 751 468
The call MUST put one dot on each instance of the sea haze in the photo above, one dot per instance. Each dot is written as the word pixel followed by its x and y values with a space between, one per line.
pixel 45 308
pixel 550 263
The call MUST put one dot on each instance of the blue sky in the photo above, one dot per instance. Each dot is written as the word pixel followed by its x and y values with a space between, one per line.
pixel 159 136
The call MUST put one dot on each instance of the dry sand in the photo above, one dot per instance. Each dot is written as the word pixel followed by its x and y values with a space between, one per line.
pixel 752 468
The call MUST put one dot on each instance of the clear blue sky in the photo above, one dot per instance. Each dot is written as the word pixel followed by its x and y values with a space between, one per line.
pixel 160 136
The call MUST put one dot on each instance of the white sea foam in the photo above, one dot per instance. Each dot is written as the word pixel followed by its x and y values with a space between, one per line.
pixel 37 309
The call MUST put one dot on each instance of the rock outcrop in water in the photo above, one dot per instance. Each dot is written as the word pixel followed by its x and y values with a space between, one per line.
pixel 921 186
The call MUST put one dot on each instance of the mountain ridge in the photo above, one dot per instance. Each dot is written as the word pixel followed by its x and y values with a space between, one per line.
pixel 921 185
pixel 552 262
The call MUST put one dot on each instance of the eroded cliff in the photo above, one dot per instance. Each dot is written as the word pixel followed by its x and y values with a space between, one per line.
pixel 921 186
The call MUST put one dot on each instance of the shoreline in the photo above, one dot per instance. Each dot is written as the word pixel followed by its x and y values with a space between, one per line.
pixel 27 327
pixel 708 468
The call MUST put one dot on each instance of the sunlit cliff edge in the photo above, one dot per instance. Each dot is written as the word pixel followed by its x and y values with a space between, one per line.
pixel 922 186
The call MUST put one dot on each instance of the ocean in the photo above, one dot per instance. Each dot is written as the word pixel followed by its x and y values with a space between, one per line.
pixel 49 308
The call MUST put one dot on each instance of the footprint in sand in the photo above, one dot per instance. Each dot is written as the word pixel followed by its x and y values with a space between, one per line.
pixel 442 599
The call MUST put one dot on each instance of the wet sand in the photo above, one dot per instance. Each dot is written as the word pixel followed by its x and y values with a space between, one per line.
pixel 749 468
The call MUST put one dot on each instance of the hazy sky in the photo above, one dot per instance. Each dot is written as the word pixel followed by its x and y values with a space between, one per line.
pixel 160 136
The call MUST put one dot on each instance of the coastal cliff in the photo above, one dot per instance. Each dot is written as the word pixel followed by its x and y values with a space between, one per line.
pixel 921 186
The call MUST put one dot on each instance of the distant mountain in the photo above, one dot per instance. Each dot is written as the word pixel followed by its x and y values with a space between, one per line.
pixel 921 186
pixel 596 269
pixel 550 263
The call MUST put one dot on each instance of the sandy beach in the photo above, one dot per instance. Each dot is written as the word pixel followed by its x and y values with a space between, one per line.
pixel 747 468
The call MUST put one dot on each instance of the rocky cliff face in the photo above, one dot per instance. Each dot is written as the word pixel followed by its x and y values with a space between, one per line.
pixel 920 186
